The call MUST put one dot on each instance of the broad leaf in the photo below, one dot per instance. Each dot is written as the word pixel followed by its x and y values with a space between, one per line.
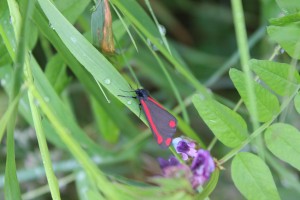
pixel 253 178
pixel 288 37
pixel 280 77
pixel 228 126
pixel 283 141
pixel 267 103
pixel 285 20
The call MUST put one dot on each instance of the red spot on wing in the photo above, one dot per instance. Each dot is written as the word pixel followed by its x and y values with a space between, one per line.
pixel 172 123
pixel 151 123
pixel 168 141
pixel 149 98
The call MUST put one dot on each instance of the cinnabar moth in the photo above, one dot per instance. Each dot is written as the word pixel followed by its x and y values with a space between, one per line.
pixel 162 123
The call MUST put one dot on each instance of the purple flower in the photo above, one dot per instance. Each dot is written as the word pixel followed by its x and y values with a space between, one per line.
pixel 168 163
pixel 202 167
pixel 184 147
pixel 199 168
pixel 172 168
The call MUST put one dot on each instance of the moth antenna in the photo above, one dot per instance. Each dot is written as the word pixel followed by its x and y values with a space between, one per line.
pixel 130 86
pixel 134 97
pixel 137 85
pixel 127 90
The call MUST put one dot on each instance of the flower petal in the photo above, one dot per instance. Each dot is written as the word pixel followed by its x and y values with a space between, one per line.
pixel 202 167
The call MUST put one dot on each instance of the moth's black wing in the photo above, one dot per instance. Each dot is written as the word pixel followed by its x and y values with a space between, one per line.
pixel 161 122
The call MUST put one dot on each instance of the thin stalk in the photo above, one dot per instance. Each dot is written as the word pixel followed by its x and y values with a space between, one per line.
pixel 240 29
pixel 170 80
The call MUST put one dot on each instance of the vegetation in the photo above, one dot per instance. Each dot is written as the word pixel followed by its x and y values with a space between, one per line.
pixel 227 71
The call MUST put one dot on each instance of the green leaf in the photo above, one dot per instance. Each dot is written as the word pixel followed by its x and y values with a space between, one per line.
pixel 61 112
pixel 5 58
pixel 289 6
pixel 228 126
pixel 5 73
pixel 123 122
pixel 287 37
pixel 74 147
pixel 44 150
pixel 94 62
pixel 285 174
pixel 281 21
pixel 283 140
pixel 280 77
pixel 6 30
pixel 11 187
pixel 297 102
pixel 253 178
pixel 267 103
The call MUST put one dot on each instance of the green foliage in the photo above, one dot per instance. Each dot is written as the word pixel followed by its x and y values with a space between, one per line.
pixel 280 77
pixel 287 37
pixel 94 62
pixel 53 184
pixel 283 141
pixel 67 94
pixel 253 177
pixel 267 103
pixel 228 126
pixel 285 31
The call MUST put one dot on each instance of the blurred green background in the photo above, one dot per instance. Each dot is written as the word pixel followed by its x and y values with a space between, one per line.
pixel 200 31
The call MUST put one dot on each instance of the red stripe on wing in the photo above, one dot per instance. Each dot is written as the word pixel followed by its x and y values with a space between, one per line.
pixel 149 98
pixel 151 123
